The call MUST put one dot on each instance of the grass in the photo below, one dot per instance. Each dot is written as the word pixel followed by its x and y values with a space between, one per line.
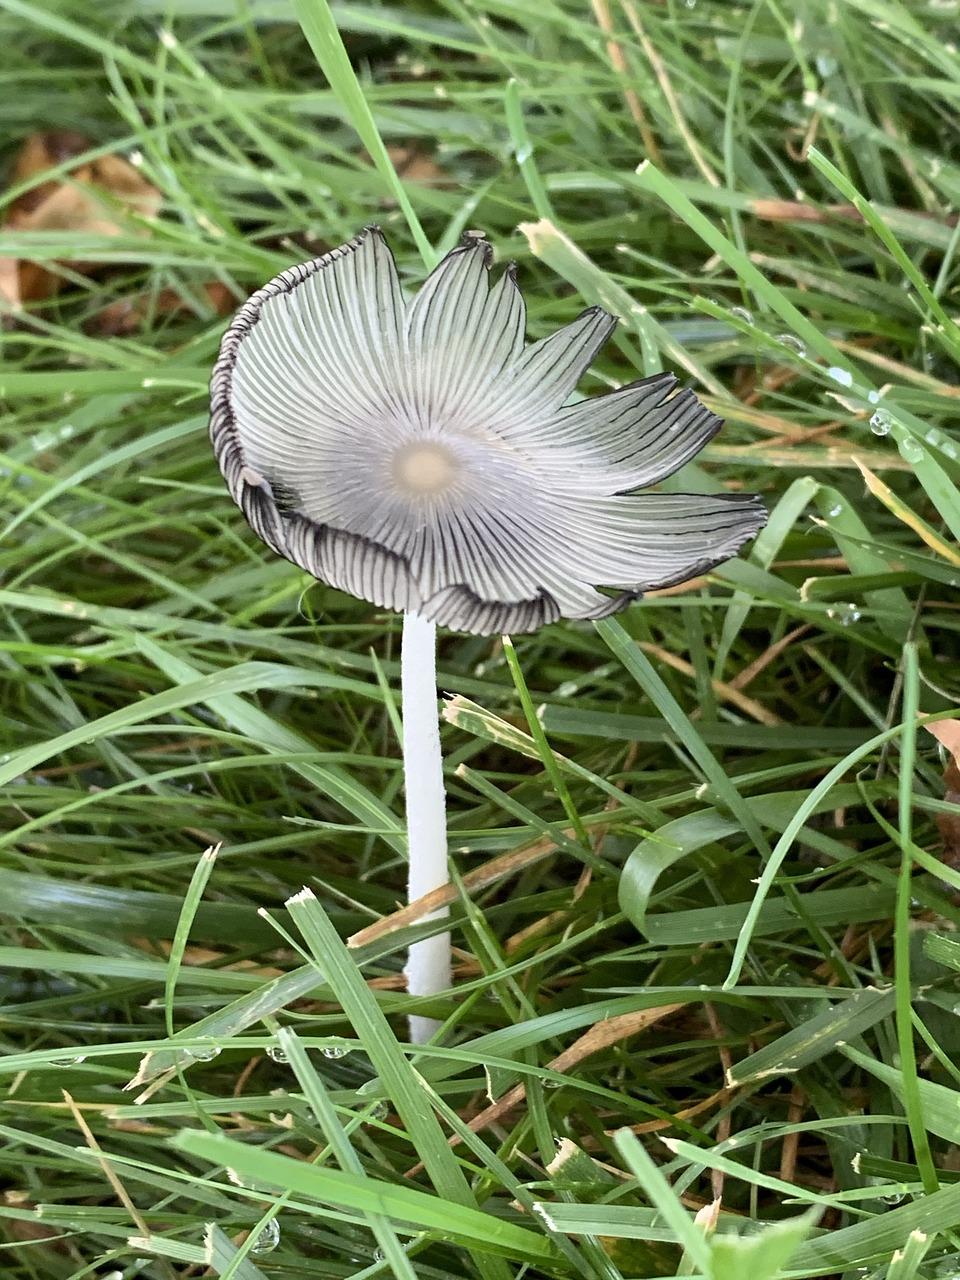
pixel 705 853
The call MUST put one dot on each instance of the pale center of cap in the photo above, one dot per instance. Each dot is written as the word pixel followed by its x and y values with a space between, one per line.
pixel 424 468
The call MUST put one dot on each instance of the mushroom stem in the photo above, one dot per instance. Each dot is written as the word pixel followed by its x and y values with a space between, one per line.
pixel 428 967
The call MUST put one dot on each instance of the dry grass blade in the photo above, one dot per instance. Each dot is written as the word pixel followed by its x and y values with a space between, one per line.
pixel 601 11
pixel 726 692
pixel 907 515
pixel 666 85
pixel 507 864
pixel 601 1035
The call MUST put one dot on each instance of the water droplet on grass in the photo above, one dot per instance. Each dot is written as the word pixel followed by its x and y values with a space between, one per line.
pixel 835 510
pixel 205 1055
pixel 911 449
pixel 845 614
pixel 842 376
pixel 268 1239
pixel 335 1051
pixel 880 422
pixel 793 343
pixel 742 314
pixel 277 1054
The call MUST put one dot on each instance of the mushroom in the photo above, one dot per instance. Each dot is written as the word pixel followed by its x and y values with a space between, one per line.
pixel 423 457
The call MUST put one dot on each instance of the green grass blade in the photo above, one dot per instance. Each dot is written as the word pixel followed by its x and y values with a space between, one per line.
pixel 413 1211
pixel 398 1077
pixel 320 28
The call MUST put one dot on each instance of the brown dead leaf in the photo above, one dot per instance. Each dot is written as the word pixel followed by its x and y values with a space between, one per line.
pixel 947 733
pixel 127 315
pixel 93 197
pixel 26 1231
pixel 416 165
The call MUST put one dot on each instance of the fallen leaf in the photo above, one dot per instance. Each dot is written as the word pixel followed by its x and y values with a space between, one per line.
pixel 415 165
pixel 94 196
pixel 127 315
pixel 947 733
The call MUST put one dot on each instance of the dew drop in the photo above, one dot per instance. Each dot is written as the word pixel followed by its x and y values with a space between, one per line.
pixel 835 510
pixel 379 1111
pixel 73 1061
pixel 911 450
pixel 205 1055
pixel 842 376
pixel 880 422
pixel 793 343
pixel 378 1255
pixel 893 1198
pixel 335 1051
pixel 268 1239
pixel 932 436
pixel 742 314
pixel 277 1054
pixel 844 614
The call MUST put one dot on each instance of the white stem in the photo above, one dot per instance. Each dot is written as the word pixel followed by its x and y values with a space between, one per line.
pixel 429 962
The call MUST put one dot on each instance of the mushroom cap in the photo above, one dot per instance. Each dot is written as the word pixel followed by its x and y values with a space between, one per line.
pixel 422 456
